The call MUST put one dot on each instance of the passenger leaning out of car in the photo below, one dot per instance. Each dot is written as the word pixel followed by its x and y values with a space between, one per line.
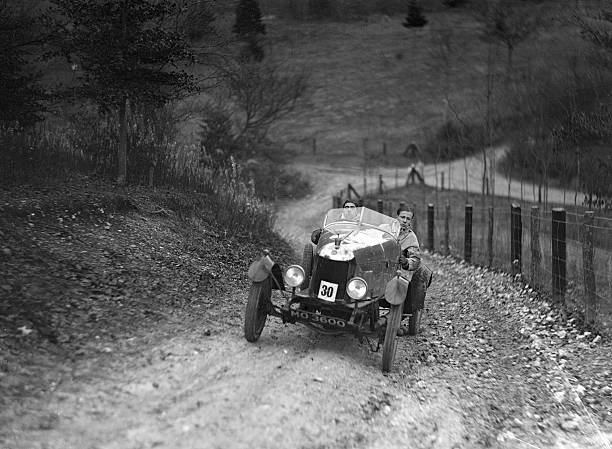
pixel 410 257
pixel 349 213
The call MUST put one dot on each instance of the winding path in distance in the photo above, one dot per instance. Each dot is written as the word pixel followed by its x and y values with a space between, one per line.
pixel 297 218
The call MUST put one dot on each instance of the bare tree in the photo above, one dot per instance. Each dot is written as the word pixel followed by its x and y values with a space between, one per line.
pixel 509 24
pixel 261 93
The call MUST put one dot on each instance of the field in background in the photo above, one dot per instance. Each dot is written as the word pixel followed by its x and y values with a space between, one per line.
pixel 375 83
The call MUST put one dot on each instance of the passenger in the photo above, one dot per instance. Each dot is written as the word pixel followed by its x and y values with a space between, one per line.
pixel 410 257
pixel 410 261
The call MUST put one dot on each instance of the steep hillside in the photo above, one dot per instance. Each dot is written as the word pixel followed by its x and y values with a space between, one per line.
pixel 92 274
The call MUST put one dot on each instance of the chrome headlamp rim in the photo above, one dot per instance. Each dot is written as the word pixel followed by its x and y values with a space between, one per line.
pixel 350 291
pixel 294 275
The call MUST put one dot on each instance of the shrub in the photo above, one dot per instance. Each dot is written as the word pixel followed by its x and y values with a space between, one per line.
pixel 414 17
pixel 453 3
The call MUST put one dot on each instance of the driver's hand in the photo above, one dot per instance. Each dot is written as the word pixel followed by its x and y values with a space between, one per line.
pixel 314 237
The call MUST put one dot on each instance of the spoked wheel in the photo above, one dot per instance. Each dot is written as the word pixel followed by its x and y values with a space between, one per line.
pixel 414 322
pixel 307 256
pixel 390 345
pixel 258 306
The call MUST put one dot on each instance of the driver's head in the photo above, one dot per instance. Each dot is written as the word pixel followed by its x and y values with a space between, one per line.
pixel 350 209
pixel 405 215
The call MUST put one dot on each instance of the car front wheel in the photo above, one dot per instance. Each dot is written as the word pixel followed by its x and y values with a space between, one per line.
pixel 257 308
pixel 390 344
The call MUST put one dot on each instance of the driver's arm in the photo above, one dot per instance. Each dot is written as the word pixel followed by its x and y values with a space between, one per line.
pixel 316 235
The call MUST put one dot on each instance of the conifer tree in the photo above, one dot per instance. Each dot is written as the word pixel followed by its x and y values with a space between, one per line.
pixel 415 17
pixel 248 27
pixel 126 55
pixel 20 91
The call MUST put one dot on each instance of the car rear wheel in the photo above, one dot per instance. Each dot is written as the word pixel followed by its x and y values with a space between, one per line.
pixel 414 322
pixel 307 257
pixel 258 306
pixel 390 344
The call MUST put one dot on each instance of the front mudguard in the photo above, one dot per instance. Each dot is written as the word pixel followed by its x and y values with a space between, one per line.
pixel 265 267
pixel 396 290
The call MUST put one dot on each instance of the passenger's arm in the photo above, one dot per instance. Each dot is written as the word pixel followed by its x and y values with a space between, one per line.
pixel 411 253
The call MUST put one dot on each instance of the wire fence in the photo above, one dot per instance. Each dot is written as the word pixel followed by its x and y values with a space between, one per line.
pixel 565 254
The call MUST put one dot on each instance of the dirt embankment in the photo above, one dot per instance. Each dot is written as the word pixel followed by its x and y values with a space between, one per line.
pixel 150 352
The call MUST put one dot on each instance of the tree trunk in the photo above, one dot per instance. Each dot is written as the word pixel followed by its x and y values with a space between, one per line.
pixel 122 151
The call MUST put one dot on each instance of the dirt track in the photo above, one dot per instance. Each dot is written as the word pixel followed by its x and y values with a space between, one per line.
pixel 494 367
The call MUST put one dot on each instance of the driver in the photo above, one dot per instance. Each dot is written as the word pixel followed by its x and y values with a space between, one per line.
pixel 349 213
pixel 350 210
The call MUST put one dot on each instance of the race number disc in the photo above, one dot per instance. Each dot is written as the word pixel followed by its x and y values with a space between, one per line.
pixel 327 291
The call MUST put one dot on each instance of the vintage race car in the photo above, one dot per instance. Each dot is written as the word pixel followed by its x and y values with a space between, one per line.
pixel 348 282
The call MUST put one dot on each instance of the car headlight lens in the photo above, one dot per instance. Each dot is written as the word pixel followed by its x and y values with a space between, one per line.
pixel 294 276
pixel 357 288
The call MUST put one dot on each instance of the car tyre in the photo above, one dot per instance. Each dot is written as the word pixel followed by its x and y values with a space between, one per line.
pixel 390 344
pixel 414 322
pixel 307 258
pixel 258 306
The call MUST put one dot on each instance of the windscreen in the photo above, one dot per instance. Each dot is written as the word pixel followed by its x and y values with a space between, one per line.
pixel 345 220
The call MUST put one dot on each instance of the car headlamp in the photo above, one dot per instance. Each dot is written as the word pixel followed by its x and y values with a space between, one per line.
pixel 294 275
pixel 357 288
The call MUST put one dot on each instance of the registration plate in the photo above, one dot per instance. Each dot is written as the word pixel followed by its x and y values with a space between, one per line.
pixel 327 291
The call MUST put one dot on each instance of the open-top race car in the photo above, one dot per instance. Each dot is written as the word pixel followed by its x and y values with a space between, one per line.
pixel 348 282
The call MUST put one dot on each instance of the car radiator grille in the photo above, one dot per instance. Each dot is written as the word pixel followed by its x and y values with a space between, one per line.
pixel 330 271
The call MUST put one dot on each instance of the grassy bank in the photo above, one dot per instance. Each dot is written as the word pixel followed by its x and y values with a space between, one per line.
pixel 91 272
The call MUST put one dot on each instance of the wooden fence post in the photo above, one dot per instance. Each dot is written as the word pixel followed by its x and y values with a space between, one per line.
pixel 536 255
pixel 559 252
pixel 430 226
pixel 516 239
pixel 380 184
pixel 314 145
pixel 588 268
pixel 467 247
pixel 384 148
pixel 442 180
pixel 379 206
pixel 337 201
pixel 491 223
pixel 447 229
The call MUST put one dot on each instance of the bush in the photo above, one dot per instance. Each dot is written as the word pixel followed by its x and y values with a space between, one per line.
pixel 335 9
pixel 453 140
pixel 35 154
pixel 414 17
pixel 453 3
pixel 272 182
